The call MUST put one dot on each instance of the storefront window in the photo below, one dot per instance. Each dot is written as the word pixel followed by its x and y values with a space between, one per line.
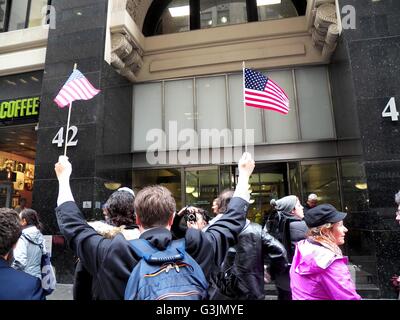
pixel 147 113
pixel 219 13
pixel 316 117
pixel 275 9
pixel 176 18
pixel 321 178
pixel 169 178
pixel 282 127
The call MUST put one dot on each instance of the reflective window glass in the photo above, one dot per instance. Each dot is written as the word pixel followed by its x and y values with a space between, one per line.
pixel 176 18
pixel 146 114
pixel 35 14
pixel 321 178
pixel 316 117
pixel 211 111
pixel 18 15
pixel 3 10
pixel 253 115
pixel 354 186
pixel 179 112
pixel 222 12
pixel 201 186
pixel 169 178
pixel 275 9
pixel 282 127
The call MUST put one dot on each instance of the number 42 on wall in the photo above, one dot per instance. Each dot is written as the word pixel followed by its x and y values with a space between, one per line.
pixel 59 137
pixel 391 110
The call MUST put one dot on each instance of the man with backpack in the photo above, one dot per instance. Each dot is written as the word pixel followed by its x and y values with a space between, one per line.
pixel 113 261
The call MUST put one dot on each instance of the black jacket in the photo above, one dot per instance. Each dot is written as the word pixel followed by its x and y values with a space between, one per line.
pixel 110 261
pixel 245 261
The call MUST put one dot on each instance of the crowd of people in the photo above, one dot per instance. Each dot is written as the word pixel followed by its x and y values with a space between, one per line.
pixel 299 245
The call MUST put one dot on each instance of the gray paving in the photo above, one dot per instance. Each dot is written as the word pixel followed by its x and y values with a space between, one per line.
pixel 62 292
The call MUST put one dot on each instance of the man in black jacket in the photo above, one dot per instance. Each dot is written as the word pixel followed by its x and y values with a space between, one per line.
pixel 242 273
pixel 111 261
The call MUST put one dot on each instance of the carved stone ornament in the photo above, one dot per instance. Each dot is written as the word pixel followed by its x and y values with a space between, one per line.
pixel 126 58
pixel 325 31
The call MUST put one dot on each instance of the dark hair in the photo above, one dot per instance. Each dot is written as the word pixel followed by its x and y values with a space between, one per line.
pixel 397 198
pixel 31 217
pixel 223 200
pixel 120 208
pixel 154 206
pixel 10 230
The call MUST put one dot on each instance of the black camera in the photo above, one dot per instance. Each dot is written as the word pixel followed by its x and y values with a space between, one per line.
pixel 189 216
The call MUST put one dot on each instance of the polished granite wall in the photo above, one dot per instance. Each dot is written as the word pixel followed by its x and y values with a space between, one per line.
pixel 370 57
pixel 104 122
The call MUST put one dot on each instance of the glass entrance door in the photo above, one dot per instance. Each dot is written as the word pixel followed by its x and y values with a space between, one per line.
pixel 201 186
pixel 268 181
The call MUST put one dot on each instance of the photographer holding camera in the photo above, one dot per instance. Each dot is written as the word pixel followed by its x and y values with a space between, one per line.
pixel 194 217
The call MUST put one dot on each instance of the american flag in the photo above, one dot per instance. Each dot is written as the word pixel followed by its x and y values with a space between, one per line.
pixel 77 87
pixel 262 92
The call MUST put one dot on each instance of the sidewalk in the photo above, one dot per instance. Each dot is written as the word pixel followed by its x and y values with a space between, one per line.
pixel 62 292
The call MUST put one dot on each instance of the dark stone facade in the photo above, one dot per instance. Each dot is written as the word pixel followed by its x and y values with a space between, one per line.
pixel 104 122
pixel 364 76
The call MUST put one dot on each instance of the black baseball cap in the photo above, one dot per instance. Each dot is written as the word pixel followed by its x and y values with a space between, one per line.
pixel 321 214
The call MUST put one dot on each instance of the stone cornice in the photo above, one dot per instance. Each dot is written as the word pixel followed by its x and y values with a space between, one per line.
pixel 265 44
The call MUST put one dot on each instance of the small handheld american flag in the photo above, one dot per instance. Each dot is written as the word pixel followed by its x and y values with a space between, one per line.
pixel 77 87
pixel 262 92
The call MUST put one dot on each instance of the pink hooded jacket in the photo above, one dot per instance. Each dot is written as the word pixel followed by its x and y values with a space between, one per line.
pixel 317 273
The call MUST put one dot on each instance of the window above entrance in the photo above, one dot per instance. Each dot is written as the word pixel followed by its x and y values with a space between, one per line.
pixel 175 16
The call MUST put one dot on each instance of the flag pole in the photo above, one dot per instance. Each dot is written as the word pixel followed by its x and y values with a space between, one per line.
pixel 69 117
pixel 244 110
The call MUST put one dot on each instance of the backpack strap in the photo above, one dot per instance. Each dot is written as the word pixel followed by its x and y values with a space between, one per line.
pixel 34 243
pixel 145 250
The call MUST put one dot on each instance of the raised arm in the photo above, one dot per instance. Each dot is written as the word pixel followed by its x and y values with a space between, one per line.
pixel 223 233
pixel 87 244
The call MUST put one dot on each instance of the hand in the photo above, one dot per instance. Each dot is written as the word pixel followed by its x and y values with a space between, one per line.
pixel 63 168
pixel 246 165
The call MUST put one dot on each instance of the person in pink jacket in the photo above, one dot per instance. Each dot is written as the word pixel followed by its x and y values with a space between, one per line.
pixel 319 270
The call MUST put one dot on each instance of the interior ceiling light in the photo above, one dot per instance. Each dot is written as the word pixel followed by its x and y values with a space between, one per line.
pixel 179 11
pixel 361 185
pixel 189 189
pixel 112 185
pixel 267 2
pixel 195 194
